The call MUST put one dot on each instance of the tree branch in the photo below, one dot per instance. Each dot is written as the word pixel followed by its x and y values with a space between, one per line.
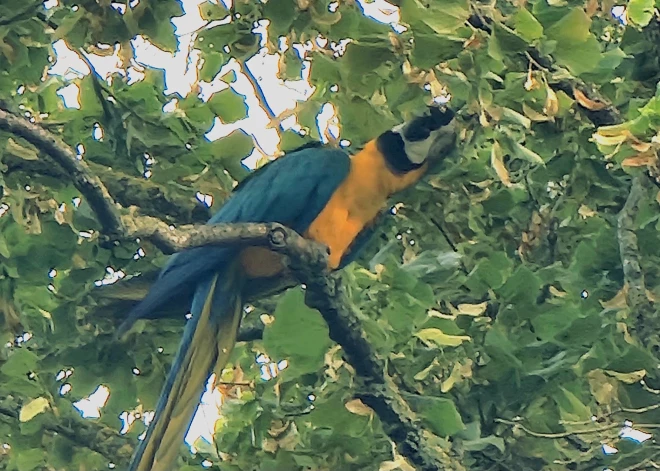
pixel 379 392
pixel 307 261
pixel 177 205
pixel 89 184
pixel 633 274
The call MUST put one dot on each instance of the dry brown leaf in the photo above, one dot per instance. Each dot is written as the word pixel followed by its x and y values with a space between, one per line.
pixel 592 7
pixel 618 301
pixel 458 373
pixel 357 407
pixel 587 102
pixel 472 309
pixel 33 408
pixel 531 83
pixel 474 42
pixel 551 107
pixel 641 146
pixel 586 212
pixel 483 120
pixel 556 292
pixel 628 378
pixel 399 463
pixel 640 160
pixel 603 389
pixel 269 445
pixel 497 162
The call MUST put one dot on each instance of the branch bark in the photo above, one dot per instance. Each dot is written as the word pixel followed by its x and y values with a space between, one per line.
pixel 307 262
pixel 89 184
pixel 378 392
pixel 176 205
pixel 633 274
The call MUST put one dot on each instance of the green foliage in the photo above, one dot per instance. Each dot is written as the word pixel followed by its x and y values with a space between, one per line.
pixel 496 293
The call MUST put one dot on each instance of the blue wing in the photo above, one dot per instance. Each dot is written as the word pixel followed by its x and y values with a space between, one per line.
pixel 291 190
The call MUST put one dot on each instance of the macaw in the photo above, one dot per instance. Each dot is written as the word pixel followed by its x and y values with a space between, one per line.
pixel 324 194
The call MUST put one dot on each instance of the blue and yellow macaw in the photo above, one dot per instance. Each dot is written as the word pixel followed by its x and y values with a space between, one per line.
pixel 323 194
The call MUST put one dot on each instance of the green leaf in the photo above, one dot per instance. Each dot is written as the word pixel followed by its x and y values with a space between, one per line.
pixel 360 120
pixel 572 408
pixel 213 62
pixel 572 28
pixel 29 459
pixel 444 18
pixel 580 57
pixel 292 66
pixel 20 362
pixel 527 26
pixel 364 57
pixel 292 140
pixel 230 151
pixel 521 288
pixel 431 49
pixel 640 12
pixel 576 48
pixel 298 334
pixel 504 42
pixel 228 105
pixel 524 153
pixel 437 413
pixel 480 444
pixel 492 271
pixel 281 14
pixel 155 21
pixel 515 117
pixel 216 38
pixel 213 11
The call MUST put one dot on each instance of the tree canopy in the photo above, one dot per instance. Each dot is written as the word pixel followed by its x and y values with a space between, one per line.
pixel 506 307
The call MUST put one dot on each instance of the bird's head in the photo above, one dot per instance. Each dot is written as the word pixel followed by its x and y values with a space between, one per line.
pixel 425 138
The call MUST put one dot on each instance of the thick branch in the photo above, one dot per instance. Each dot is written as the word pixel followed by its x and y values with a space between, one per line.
pixel 172 239
pixel 307 261
pixel 89 184
pixel 175 204
pixel 326 294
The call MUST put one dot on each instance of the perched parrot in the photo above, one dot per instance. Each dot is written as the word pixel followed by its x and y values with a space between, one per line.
pixel 324 194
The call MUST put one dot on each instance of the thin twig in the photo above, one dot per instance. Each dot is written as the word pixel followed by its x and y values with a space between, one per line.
pixel 259 92
pixel 532 433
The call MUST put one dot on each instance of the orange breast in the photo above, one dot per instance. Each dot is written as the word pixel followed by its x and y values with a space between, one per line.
pixel 354 205
pixel 357 201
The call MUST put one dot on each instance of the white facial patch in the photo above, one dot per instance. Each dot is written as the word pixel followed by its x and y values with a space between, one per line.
pixel 418 151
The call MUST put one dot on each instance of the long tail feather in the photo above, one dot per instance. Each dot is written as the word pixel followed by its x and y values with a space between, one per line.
pixel 205 348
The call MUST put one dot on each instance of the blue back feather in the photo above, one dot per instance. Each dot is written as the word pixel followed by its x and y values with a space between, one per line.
pixel 291 190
